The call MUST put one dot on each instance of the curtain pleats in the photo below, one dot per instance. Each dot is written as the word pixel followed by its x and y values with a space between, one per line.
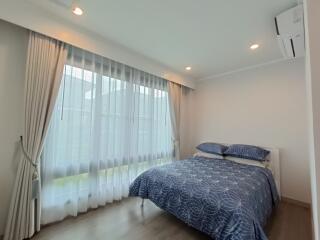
pixel 110 123
pixel 175 95
pixel 45 60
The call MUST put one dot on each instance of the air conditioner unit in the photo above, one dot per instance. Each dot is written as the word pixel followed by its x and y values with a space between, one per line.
pixel 290 32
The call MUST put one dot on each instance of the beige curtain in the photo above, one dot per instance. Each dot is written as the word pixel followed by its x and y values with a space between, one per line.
pixel 187 123
pixel 45 61
pixel 175 92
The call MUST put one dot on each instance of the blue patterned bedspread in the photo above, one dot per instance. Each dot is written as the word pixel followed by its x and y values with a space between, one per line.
pixel 221 198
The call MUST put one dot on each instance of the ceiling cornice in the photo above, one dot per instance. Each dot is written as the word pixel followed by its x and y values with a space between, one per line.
pixel 32 17
pixel 248 68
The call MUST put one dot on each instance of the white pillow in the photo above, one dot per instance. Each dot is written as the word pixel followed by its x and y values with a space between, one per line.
pixel 264 164
pixel 207 155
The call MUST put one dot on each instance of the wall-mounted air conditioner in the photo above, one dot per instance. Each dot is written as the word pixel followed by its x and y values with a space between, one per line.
pixel 290 32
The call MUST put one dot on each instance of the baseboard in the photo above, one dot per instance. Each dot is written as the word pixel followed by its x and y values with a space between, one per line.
pixel 296 202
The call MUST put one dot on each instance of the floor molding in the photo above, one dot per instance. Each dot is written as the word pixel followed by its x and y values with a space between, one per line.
pixel 296 202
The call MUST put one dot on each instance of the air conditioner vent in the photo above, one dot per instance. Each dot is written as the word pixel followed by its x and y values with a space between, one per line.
pixel 63 3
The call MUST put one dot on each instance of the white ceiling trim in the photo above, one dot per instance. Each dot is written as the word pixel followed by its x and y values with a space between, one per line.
pixel 161 31
pixel 215 76
pixel 31 17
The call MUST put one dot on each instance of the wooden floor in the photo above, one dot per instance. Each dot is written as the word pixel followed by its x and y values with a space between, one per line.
pixel 126 220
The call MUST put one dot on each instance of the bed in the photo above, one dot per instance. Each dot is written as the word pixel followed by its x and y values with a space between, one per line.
pixel 222 198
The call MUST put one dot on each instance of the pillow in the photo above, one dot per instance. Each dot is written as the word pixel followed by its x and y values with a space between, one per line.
pixel 263 164
pixel 247 152
pixel 208 155
pixel 215 148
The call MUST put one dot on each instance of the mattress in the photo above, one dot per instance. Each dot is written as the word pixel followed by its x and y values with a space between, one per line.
pixel 221 198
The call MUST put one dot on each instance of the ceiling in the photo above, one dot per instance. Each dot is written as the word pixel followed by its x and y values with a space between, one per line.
pixel 212 36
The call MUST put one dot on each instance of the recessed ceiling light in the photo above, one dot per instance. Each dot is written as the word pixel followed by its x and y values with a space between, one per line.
pixel 77 11
pixel 188 68
pixel 254 46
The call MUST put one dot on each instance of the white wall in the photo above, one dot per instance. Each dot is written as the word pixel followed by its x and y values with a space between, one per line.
pixel 13 46
pixel 264 106
pixel 312 19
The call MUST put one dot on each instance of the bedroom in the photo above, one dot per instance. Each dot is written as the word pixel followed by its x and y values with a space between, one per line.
pixel 114 89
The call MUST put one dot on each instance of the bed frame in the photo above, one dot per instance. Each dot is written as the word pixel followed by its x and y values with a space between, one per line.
pixel 275 166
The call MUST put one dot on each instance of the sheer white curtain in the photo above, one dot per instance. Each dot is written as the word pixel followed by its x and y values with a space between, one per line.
pixel 110 123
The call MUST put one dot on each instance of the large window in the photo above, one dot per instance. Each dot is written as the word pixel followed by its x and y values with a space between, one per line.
pixel 109 124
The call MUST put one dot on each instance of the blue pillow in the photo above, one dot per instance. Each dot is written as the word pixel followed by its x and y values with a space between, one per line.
pixel 215 148
pixel 247 152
